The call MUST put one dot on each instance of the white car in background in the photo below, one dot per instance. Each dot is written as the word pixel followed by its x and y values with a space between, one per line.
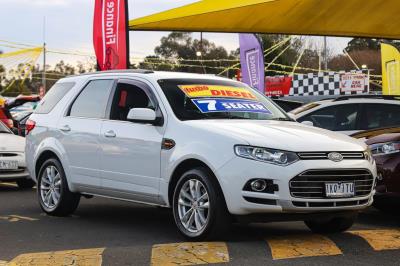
pixel 351 114
pixel 12 159
pixel 212 149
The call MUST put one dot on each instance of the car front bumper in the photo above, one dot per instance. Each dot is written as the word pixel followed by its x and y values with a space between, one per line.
pixel 236 173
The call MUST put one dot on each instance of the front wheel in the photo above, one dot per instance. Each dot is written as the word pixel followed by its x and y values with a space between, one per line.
pixel 334 225
pixel 199 207
pixel 55 198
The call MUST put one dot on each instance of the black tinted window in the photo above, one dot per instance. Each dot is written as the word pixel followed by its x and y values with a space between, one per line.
pixel 128 96
pixel 336 118
pixel 381 115
pixel 53 96
pixel 92 101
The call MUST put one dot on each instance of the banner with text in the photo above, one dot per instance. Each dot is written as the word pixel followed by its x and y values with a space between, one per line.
pixel 110 34
pixel 252 61
pixel 278 86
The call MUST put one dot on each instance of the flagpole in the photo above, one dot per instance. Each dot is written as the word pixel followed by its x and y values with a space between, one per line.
pixel 44 54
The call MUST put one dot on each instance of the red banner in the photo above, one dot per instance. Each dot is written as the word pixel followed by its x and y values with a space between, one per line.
pixel 110 34
pixel 278 86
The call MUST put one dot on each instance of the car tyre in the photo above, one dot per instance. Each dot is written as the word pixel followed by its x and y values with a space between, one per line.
pixel 334 225
pixel 25 183
pixel 198 191
pixel 54 195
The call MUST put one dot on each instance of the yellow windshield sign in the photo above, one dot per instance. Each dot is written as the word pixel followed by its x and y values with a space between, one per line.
pixel 200 91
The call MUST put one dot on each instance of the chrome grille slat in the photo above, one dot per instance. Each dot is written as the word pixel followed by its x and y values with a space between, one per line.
pixel 311 184
pixel 324 155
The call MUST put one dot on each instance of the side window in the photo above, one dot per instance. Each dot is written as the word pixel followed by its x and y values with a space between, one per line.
pixel 128 96
pixel 92 101
pixel 381 115
pixel 55 94
pixel 336 118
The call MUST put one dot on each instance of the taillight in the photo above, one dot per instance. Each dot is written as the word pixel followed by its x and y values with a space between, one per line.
pixel 29 126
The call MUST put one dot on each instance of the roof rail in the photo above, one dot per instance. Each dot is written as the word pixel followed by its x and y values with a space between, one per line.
pixel 368 96
pixel 136 71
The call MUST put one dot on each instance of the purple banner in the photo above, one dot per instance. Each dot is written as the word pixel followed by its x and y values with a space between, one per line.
pixel 252 61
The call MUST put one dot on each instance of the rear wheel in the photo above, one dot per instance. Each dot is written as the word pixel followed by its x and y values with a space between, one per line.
pixel 334 225
pixel 55 198
pixel 198 206
pixel 25 183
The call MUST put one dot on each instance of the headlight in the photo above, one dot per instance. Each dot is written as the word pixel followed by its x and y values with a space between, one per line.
pixel 272 156
pixel 368 156
pixel 385 148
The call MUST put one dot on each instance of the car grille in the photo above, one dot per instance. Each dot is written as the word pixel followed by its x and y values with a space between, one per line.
pixel 330 204
pixel 311 184
pixel 324 155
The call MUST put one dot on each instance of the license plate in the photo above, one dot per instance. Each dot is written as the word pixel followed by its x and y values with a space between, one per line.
pixel 8 165
pixel 339 190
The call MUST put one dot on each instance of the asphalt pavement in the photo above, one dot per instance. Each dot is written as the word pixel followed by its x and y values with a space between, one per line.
pixel 110 232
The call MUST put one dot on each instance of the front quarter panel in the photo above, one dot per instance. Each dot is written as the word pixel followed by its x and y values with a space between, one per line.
pixel 213 149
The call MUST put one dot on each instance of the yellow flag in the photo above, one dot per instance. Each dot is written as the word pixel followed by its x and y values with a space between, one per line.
pixel 390 70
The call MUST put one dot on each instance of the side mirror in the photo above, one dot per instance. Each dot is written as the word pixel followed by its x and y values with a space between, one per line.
pixel 142 115
pixel 308 123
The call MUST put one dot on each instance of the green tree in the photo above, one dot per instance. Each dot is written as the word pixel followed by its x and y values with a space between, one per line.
pixel 179 51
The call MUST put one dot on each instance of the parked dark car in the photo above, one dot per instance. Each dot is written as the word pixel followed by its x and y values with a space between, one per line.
pixel 385 146
pixel 20 121
pixel 287 105
pixel 5 106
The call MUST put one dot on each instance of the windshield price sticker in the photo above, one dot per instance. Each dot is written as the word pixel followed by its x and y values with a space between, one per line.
pixel 197 91
pixel 229 105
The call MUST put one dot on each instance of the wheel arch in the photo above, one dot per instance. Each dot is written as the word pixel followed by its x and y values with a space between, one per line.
pixel 44 156
pixel 183 167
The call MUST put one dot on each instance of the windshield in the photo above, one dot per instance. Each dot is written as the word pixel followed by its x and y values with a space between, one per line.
pixel 4 129
pixel 195 99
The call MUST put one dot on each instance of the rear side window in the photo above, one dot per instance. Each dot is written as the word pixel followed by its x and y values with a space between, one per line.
pixel 92 101
pixel 55 94
pixel 381 115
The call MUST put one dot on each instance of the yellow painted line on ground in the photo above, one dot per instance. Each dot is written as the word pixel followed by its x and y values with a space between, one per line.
pixel 298 246
pixel 380 239
pixel 79 257
pixel 189 253
pixel 9 184
pixel 17 218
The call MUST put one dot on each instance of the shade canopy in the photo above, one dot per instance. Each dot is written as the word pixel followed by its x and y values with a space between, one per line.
pixel 351 18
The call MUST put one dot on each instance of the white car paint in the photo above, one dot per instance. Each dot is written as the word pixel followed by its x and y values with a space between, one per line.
pixel 132 166
pixel 12 148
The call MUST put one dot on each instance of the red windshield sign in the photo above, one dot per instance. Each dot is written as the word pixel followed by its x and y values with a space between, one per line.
pixel 110 35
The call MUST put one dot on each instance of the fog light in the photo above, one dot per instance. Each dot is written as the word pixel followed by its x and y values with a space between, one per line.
pixel 258 185
pixel 379 177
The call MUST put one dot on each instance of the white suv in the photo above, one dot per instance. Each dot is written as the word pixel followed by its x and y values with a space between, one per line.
pixel 212 149
pixel 351 114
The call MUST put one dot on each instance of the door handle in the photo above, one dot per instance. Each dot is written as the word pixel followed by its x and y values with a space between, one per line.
pixel 110 134
pixel 65 128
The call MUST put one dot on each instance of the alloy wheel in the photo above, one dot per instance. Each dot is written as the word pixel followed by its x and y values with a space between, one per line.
pixel 50 187
pixel 193 206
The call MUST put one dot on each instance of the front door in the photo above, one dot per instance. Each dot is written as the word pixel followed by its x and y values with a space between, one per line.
pixel 130 158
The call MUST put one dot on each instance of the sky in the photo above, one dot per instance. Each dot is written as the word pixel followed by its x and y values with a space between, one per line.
pixel 69 27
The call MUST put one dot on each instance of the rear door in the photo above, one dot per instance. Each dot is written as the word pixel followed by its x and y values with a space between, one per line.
pixel 80 131
pixel 130 158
